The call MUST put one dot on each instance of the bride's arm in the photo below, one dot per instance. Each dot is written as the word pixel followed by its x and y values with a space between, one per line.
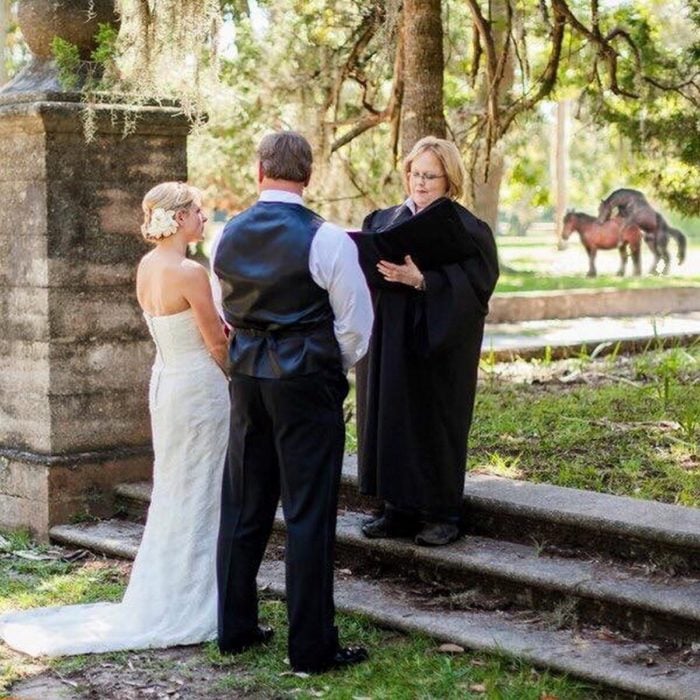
pixel 197 291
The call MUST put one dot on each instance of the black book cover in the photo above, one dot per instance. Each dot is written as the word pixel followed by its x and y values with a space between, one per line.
pixel 434 237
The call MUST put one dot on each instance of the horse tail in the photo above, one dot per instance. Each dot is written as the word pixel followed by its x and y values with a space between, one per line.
pixel 682 242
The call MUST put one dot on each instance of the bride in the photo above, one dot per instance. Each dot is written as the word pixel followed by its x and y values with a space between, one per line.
pixel 171 596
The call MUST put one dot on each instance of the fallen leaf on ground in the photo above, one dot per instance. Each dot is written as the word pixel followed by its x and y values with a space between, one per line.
pixel 478 687
pixel 33 556
pixel 298 674
pixel 451 649
pixel 544 696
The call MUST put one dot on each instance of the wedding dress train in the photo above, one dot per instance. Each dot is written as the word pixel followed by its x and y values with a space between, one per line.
pixel 171 596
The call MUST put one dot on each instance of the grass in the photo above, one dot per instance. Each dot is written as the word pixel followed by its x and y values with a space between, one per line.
pixel 635 433
pixel 401 666
pixel 632 431
pixel 531 281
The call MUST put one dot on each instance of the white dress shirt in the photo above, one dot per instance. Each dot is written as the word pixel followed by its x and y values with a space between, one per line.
pixel 334 266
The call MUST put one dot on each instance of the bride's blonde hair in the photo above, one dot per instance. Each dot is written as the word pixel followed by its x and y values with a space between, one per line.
pixel 160 205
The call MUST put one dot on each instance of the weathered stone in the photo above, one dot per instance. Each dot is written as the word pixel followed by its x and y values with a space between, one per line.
pixel 513 307
pixel 99 420
pixel 23 259
pixel 24 312
pixel 39 491
pixel 75 346
pixel 89 367
pixel 107 314
pixel 76 22
pixel 25 417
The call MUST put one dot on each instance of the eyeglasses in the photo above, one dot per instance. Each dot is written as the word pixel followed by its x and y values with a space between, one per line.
pixel 425 177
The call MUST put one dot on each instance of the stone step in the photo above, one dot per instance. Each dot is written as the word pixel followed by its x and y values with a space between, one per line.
pixel 117 538
pixel 663 536
pixel 478 571
pixel 592 654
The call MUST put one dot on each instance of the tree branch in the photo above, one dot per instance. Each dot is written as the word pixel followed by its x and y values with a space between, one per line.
pixel 377 117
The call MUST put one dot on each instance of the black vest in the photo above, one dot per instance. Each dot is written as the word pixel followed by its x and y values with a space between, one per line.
pixel 283 320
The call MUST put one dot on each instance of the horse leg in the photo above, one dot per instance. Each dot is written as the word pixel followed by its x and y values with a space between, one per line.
pixel 591 262
pixel 655 253
pixel 623 260
pixel 637 260
pixel 666 258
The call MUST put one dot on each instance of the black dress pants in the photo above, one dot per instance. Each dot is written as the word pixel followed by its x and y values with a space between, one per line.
pixel 287 438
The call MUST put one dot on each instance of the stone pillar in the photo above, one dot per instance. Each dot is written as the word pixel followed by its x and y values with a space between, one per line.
pixel 74 350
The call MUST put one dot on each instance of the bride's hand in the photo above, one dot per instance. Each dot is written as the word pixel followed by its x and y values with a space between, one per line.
pixel 407 274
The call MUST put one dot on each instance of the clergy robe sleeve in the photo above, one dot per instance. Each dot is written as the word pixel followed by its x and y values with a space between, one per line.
pixel 456 297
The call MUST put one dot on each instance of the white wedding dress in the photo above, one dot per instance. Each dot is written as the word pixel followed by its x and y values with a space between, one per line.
pixel 171 597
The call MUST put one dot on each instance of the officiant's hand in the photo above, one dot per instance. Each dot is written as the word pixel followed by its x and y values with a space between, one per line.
pixel 407 273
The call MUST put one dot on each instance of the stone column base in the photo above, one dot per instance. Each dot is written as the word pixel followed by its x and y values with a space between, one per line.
pixel 39 491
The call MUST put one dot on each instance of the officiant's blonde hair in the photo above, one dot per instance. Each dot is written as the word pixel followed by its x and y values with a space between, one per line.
pixel 170 196
pixel 448 155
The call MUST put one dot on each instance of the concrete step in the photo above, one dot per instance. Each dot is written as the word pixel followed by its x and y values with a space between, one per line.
pixel 589 653
pixel 552 518
pixel 509 342
pixel 117 538
pixel 478 571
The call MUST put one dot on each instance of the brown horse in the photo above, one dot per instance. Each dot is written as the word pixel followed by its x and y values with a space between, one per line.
pixel 633 206
pixel 614 233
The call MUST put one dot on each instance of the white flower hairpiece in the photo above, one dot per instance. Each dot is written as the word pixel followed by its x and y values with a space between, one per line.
pixel 162 223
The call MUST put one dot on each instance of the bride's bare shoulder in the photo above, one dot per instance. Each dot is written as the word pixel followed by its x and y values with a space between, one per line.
pixel 191 268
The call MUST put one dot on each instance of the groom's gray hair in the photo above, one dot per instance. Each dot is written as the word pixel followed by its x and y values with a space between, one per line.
pixel 285 155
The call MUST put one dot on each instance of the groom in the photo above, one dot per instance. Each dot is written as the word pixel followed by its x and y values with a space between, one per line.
pixel 296 298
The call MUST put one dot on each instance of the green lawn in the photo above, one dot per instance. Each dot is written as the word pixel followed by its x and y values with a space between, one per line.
pixel 401 666
pixel 627 425
pixel 531 281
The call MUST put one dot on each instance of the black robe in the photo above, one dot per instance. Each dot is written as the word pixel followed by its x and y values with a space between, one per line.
pixel 416 387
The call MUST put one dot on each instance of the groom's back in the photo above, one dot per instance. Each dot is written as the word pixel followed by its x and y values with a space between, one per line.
pixel 269 295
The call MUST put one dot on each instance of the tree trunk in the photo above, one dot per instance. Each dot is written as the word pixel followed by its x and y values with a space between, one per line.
pixel 561 167
pixel 486 174
pixel 4 28
pixel 487 191
pixel 424 66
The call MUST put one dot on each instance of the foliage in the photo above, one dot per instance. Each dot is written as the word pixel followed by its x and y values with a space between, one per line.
pixel 662 123
pixel 330 68
pixel 105 52
pixel 67 57
pixel 529 281
pixel 634 437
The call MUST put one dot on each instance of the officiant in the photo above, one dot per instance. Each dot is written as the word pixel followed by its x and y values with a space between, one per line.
pixel 416 388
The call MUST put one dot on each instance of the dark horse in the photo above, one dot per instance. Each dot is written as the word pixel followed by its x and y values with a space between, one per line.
pixel 633 206
pixel 614 233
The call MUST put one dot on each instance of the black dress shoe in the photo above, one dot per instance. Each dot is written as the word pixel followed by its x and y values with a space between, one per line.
pixel 386 526
pixel 254 638
pixel 437 534
pixel 343 657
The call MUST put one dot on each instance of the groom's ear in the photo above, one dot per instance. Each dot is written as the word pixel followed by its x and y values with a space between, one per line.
pixel 261 174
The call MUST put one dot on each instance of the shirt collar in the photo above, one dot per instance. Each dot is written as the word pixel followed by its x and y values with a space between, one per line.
pixel 280 196
pixel 410 205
